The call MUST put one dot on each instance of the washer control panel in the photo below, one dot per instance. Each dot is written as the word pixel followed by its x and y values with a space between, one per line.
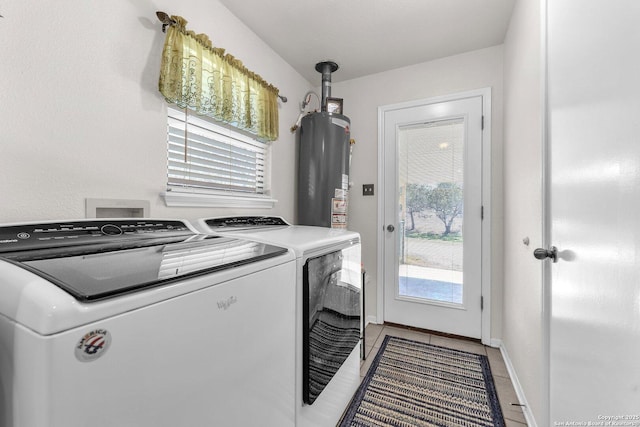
pixel 52 234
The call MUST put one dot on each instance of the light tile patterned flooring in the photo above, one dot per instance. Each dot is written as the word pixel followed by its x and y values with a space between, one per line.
pixel 513 416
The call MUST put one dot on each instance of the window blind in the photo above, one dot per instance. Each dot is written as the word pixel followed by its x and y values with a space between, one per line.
pixel 202 154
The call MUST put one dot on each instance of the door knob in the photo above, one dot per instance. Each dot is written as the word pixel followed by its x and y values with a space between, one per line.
pixel 542 253
pixel 390 228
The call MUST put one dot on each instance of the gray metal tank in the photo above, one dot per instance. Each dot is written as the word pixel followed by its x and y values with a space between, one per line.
pixel 323 170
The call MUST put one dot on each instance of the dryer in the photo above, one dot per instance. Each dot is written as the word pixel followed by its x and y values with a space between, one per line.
pixel 143 323
pixel 328 294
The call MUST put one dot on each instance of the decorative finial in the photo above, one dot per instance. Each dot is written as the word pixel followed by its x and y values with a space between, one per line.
pixel 165 19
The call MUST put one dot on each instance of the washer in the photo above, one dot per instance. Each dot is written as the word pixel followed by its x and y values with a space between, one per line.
pixel 144 323
pixel 329 331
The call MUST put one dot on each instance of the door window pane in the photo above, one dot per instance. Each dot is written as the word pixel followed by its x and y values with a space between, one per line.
pixel 431 178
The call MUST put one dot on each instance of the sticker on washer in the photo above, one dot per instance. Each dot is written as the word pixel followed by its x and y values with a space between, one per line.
pixel 93 345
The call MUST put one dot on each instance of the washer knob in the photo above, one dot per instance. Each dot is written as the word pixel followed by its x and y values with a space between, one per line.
pixel 111 230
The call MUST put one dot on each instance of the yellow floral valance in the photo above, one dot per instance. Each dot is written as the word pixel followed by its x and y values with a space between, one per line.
pixel 198 76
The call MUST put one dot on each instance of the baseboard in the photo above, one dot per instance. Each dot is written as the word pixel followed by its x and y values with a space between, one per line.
pixel 528 415
pixel 370 319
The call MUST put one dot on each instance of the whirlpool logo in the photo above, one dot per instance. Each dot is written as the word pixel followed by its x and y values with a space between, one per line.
pixel 92 345
pixel 225 304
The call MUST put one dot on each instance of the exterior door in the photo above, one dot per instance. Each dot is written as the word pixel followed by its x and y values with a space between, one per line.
pixel 594 184
pixel 433 216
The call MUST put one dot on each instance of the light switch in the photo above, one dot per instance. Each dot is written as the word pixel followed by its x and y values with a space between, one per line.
pixel 367 189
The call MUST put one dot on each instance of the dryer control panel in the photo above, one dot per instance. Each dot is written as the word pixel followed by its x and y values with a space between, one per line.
pixel 55 234
pixel 237 222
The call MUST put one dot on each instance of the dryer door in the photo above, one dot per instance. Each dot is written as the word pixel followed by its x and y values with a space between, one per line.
pixel 332 285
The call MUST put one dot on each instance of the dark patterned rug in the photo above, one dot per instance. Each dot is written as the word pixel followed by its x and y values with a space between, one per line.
pixel 416 384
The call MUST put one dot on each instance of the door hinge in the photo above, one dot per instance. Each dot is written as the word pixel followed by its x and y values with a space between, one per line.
pixel 481 303
pixel 482 123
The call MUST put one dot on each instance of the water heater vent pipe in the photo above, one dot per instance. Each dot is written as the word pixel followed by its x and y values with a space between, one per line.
pixel 326 68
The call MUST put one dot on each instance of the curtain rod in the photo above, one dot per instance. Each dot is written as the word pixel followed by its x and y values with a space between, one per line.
pixel 166 21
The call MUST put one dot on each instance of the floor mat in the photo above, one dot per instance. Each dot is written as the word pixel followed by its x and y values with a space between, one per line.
pixel 417 384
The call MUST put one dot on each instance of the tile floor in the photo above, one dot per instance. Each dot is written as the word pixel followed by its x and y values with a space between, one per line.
pixel 513 416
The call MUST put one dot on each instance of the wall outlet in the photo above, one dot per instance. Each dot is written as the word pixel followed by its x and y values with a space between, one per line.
pixel 367 189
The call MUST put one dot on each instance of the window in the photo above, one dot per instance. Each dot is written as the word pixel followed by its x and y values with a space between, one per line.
pixel 211 165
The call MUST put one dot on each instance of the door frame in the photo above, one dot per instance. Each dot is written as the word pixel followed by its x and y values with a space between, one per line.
pixel 545 182
pixel 486 275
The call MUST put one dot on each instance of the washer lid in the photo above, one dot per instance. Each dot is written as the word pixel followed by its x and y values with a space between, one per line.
pixel 94 272
pixel 302 239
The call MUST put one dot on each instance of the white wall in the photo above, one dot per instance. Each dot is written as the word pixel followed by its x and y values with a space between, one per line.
pixel 81 115
pixel 522 321
pixel 363 96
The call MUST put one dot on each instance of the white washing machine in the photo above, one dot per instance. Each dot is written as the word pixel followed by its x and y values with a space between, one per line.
pixel 329 330
pixel 145 323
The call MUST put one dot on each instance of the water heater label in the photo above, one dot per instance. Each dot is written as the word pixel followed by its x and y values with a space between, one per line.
pixel 339 206
pixel 345 182
pixel 339 221
pixel 339 211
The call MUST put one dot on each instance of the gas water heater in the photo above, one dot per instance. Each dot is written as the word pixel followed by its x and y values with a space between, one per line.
pixel 324 157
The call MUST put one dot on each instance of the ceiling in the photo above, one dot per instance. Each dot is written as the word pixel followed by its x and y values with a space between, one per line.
pixel 371 36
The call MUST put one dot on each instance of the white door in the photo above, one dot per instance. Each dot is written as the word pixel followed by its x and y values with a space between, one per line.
pixel 432 216
pixel 594 183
